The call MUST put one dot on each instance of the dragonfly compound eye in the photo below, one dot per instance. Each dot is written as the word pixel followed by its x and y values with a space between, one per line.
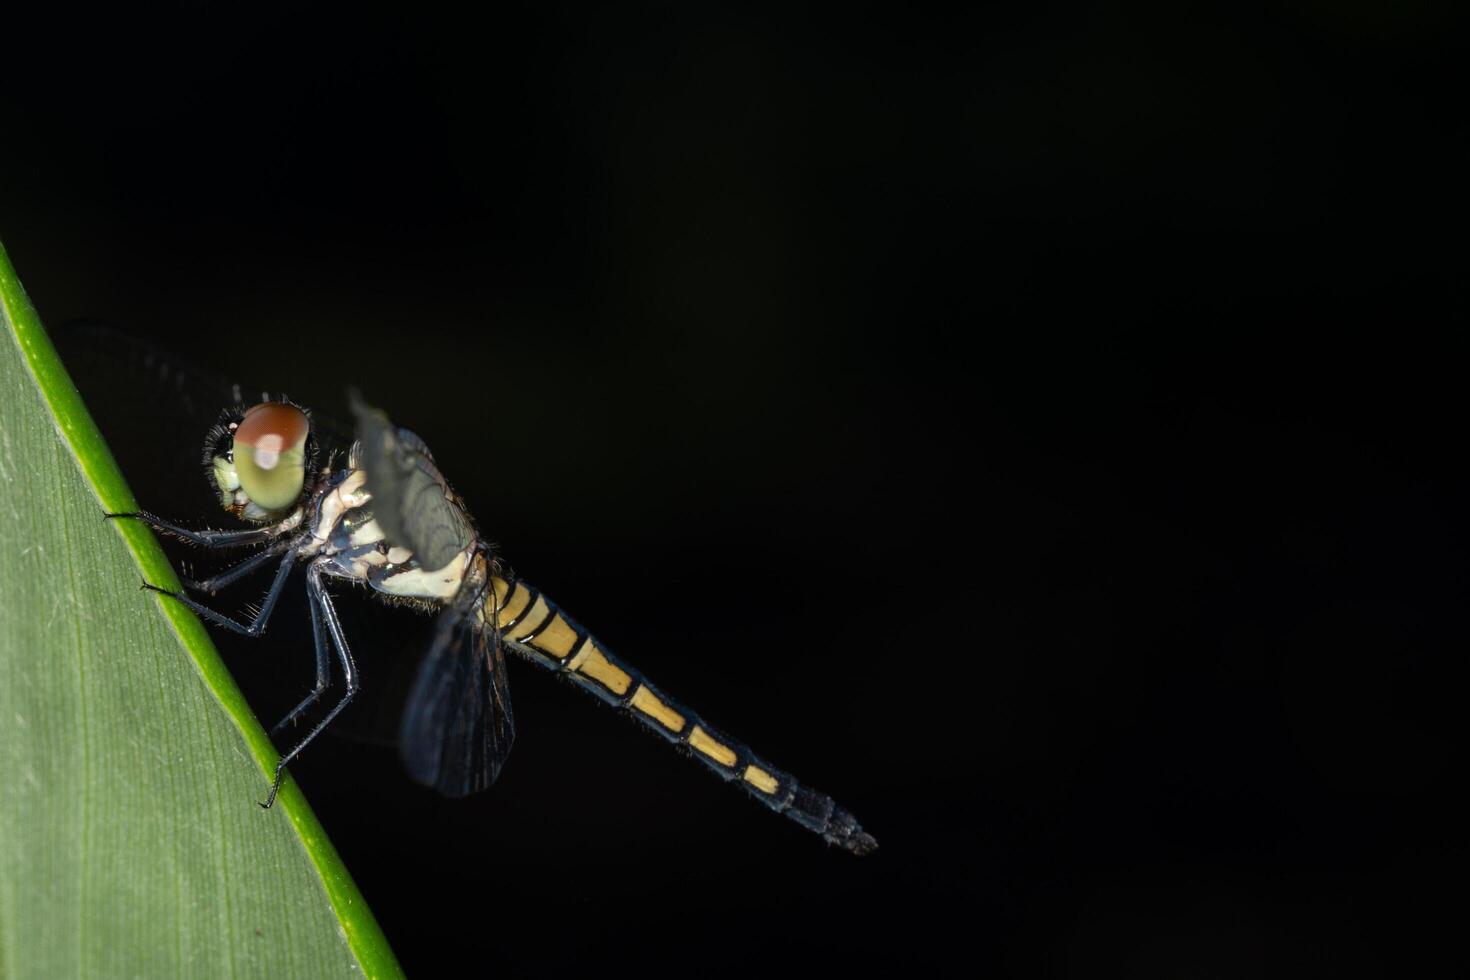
pixel 270 454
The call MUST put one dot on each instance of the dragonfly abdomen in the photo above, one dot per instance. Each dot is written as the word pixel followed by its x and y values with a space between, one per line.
pixel 534 627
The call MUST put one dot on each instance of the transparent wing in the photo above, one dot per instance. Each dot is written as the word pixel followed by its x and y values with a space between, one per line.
pixel 457 726
pixel 155 402
pixel 412 501
pixel 116 363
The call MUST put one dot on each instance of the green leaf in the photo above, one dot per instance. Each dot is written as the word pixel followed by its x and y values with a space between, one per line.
pixel 130 841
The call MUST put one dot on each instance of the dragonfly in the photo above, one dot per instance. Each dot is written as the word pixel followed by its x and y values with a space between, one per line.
pixel 381 514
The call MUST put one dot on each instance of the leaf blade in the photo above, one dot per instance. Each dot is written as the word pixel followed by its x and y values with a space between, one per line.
pixel 129 760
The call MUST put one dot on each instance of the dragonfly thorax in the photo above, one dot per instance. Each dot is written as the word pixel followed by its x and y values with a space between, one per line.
pixel 346 532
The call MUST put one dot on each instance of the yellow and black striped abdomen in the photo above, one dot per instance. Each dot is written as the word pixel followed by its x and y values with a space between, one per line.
pixel 535 628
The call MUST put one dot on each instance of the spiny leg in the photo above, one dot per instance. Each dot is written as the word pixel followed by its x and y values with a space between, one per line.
pixel 205 538
pixel 319 597
pixel 323 668
pixel 236 572
pixel 258 622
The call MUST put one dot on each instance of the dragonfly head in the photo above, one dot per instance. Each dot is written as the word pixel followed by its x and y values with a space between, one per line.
pixel 257 459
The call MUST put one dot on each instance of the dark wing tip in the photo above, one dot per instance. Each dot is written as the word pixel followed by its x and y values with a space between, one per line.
pixel 365 415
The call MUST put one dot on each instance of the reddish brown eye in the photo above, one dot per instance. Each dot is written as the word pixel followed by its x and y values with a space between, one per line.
pixel 271 430
pixel 270 451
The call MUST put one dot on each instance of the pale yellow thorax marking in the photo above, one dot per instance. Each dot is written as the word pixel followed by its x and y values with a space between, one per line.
pixel 348 494
pixel 760 779
pixel 372 533
pixel 648 703
pixel 425 583
pixel 718 751
pixel 593 664
pixel 532 619
pixel 557 639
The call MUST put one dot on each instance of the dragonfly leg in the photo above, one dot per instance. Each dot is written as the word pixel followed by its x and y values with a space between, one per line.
pixel 323 668
pixel 322 606
pixel 257 624
pixel 205 538
pixel 236 572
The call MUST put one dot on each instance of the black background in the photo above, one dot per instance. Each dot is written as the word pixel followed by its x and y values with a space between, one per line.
pixel 1039 427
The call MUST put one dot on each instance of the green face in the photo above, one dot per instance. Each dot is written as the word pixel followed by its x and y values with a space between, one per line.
pixel 270 455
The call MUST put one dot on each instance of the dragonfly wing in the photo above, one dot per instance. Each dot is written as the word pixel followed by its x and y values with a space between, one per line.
pixel 411 499
pixel 124 373
pixel 457 727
